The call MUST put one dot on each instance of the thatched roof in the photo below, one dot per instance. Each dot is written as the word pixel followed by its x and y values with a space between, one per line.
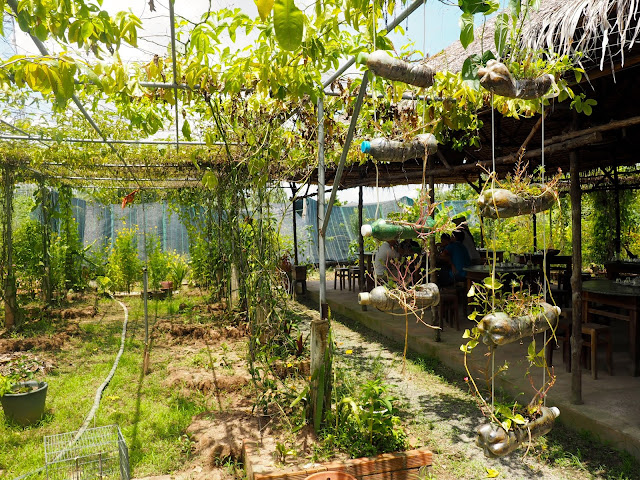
pixel 602 31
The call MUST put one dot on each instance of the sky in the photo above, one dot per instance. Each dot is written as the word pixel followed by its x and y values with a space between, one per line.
pixel 431 28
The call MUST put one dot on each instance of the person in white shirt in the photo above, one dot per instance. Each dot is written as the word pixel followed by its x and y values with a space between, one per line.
pixel 386 253
pixel 468 242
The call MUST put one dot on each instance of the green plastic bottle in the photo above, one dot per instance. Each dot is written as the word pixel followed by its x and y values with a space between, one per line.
pixel 383 231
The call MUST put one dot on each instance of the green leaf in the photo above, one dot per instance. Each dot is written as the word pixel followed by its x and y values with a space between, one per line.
pixel 491 473
pixel 210 180
pixel 288 22
pixel 264 8
pixel 186 130
pixel 514 6
pixel 467 333
pixel 501 32
pixel 472 291
pixel 466 29
pixel 492 283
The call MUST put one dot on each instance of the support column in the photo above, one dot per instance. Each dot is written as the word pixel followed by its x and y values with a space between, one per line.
pixel 361 273
pixel 11 313
pixel 576 280
pixel 320 387
pixel 435 312
pixel 295 229
pixel 616 185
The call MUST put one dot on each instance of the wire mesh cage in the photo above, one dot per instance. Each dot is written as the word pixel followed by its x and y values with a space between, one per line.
pixel 99 453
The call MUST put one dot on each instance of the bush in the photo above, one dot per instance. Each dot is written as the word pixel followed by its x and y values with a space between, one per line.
pixel 158 262
pixel 178 269
pixel 124 266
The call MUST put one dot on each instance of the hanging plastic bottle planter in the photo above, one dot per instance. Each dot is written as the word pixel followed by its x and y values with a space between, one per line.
pixel 497 442
pixel 496 78
pixel 384 231
pixel 384 65
pixel 387 150
pixel 420 296
pixel 503 203
pixel 499 328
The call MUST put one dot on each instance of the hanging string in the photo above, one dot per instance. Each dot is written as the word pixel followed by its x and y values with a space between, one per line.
pixel 544 261
pixel 493 264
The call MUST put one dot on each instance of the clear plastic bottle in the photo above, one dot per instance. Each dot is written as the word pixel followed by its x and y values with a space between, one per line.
pixel 384 65
pixel 399 151
pixel 383 231
pixel 426 295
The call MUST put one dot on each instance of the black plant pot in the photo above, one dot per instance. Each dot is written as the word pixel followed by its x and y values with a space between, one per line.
pixel 25 408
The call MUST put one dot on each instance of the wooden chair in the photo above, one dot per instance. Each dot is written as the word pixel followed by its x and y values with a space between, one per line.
pixel 342 274
pixel 449 308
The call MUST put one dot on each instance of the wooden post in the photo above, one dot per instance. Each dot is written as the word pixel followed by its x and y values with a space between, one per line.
pixel 437 320
pixel 295 229
pixel 10 298
pixel 616 186
pixel 320 385
pixel 576 280
pixel 361 270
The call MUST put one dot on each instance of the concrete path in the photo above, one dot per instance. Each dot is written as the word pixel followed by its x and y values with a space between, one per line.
pixel 611 409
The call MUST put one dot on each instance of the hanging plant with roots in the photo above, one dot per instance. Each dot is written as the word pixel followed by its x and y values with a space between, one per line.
pixel 516 195
pixel 502 317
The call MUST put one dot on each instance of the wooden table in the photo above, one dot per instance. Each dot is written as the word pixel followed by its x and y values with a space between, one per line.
pixel 611 294
pixel 614 269
pixel 487 255
pixel 477 273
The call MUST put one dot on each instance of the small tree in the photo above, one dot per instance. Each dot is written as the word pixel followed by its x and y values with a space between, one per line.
pixel 158 262
pixel 124 266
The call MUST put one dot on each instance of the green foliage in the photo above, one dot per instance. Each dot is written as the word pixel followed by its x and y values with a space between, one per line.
pixel 27 253
pixel 288 21
pixel 158 261
pixel 178 269
pixel 366 424
pixel 6 384
pixel 124 266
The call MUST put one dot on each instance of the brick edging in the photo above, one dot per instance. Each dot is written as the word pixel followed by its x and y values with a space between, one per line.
pixel 388 466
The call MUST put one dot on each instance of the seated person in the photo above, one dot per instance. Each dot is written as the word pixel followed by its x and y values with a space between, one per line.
pixel 383 258
pixel 455 257
pixel 468 241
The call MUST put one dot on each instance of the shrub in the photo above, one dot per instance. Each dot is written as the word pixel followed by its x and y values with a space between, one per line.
pixel 124 266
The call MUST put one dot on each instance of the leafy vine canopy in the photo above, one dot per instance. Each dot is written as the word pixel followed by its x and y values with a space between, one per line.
pixel 258 100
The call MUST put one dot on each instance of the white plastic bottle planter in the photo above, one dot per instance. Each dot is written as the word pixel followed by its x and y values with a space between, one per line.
pixel 499 328
pixel 398 151
pixel 497 442
pixel 496 78
pixel 502 203
pixel 384 65
pixel 426 295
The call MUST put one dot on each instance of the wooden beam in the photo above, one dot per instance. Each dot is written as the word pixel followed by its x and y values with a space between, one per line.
pixel 511 159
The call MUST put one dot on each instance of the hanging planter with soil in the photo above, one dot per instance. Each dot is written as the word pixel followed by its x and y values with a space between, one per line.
pixel 384 65
pixel 503 203
pixel 24 403
pixel 496 78
pixel 497 442
pixel 499 328
pixel 420 296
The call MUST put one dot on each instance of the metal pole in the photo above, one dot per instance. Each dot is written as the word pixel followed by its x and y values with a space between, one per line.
pixel 616 185
pixel 345 148
pixel 535 232
pixel 30 138
pixel 172 21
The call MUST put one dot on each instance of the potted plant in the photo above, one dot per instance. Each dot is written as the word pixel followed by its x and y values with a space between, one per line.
pixel 504 317
pixel 22 399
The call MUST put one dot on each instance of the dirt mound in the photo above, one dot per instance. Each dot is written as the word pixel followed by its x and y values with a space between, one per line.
pixel 200 331
pixel 218 436
pixel 68 313
pixel 46 343
pixel 205 381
